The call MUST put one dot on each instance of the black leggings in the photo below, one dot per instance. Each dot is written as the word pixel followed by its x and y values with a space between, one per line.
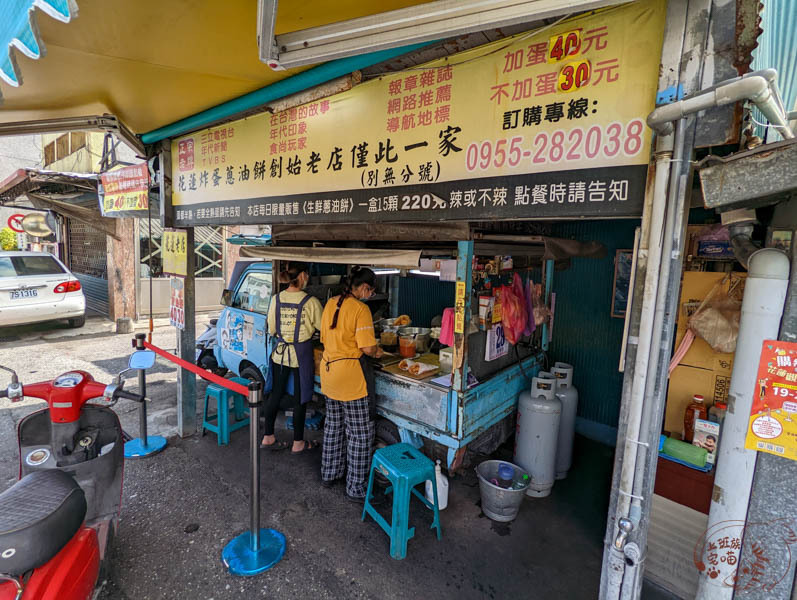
pixel 272 406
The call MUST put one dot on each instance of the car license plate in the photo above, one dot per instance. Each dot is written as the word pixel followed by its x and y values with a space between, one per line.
pixel 20 294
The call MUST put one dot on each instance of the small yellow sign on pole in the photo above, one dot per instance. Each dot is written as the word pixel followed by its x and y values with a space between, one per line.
pixel 174 252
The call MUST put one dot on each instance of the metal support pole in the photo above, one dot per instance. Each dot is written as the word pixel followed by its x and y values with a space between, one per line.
pixel 255 550
pixel 186 347
pixel 255 398
pixel 549 266
pixel 144 445
pixel 142 389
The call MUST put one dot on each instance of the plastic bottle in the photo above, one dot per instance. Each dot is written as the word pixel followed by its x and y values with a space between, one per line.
pixel 522 483
pixel 717 412
pixel 442 488
pixel 682 451
pixel 695 410
pixel 506 474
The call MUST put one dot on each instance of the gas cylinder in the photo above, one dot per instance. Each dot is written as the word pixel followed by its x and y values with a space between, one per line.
pixel 539 413
pixel 568 396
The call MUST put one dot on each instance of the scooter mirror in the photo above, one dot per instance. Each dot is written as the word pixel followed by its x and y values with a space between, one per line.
pixel 142 359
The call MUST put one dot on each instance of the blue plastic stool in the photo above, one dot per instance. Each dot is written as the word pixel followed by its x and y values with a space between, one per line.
pixel 405 467
pixel 222 426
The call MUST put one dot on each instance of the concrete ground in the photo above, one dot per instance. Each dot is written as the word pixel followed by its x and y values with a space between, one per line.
pixel 182 506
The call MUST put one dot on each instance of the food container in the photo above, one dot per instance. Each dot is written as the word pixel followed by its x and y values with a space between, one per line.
pixel 407 347
pixel 387 325
pixel 389 339
pixel 446 359
pixel 421 336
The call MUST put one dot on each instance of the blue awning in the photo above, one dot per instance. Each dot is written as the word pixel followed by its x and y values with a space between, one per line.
pixel 18 29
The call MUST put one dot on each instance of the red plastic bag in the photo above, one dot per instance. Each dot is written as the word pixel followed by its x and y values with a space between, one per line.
pixel 513 306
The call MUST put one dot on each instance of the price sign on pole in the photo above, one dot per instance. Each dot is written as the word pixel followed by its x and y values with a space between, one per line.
pixel 773 417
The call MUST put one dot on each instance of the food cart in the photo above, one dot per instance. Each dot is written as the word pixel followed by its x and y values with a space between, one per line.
pixel 444 411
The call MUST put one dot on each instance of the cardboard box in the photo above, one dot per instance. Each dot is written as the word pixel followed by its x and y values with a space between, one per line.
pixel 695 287
pixel 685 382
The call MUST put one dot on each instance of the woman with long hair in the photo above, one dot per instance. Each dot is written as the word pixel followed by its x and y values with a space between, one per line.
pixel 293 317
pixel 347 332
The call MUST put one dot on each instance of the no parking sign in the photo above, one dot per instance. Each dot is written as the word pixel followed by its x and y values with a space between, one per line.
pixel 15 223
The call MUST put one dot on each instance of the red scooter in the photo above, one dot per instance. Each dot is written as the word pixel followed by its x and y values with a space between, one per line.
pixel 58 520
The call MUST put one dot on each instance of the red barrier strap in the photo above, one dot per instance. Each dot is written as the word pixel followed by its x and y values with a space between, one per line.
pixel 230 385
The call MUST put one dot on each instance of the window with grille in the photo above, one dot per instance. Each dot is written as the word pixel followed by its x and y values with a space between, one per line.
pixel 208 247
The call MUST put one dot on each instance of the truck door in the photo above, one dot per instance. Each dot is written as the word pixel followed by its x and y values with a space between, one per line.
pixel 242 326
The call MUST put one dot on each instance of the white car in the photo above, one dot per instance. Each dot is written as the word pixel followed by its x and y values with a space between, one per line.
pixel 35 287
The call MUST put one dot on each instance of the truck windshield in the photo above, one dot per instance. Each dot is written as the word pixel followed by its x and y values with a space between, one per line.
pixel 254 293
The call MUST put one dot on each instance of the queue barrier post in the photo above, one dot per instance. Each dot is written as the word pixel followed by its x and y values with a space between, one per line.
pixel 256 550
pixel 144 445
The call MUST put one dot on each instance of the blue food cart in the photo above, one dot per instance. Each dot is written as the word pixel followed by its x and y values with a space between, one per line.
pixel 475 404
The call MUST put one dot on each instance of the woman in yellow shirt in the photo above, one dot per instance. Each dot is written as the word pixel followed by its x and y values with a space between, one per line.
pixel 347 332
pixel 293 318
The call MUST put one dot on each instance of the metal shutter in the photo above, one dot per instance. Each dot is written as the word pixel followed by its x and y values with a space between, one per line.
pixel 88 261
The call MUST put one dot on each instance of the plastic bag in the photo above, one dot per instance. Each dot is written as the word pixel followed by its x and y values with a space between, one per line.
pixel 540 312
pixel 717 319
pixel 514 317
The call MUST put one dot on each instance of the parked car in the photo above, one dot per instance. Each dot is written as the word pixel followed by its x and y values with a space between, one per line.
pixel 36 287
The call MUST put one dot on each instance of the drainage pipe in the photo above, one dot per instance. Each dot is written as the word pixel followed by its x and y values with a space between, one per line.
pixel 762 308
pixel 742 243
pixel 646 323
pixel 759 87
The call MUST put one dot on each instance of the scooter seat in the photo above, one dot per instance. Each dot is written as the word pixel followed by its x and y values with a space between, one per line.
pixel 39 514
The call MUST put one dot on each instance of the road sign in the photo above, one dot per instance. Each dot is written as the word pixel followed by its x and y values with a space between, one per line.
pixel 15 223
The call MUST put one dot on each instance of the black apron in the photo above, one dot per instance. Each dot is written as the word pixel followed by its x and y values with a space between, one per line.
pixel 304 351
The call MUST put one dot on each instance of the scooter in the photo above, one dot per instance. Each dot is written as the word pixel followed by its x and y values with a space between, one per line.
pixel 205 343
pixel 57 522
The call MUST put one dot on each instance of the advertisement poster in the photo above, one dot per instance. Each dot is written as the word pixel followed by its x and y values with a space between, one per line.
pixel 174 252
pixel 125 190
pixel 177 303
pixel 773 418
pixel 497 345
pixel 545 124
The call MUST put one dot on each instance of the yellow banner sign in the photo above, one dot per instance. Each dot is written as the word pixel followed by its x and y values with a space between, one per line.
pixel 772 426
pixel 548 124
pixel 174 252
pixel 125 190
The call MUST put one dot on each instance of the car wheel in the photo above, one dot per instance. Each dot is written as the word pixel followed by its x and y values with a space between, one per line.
pixel 208 361
pixel 77 321
pixel 253 374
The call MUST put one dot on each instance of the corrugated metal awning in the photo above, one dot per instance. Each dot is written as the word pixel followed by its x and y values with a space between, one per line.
pixel 399 259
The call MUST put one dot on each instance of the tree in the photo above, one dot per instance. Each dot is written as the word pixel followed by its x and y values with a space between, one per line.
pixel 8 239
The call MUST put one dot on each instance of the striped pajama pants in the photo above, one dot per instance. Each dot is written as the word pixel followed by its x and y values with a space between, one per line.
pixel 348 437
